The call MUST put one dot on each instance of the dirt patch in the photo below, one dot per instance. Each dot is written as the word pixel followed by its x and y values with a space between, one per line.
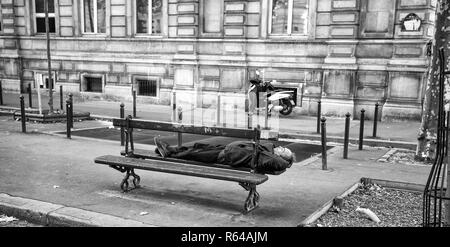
pixel 394 208
pixel 402 156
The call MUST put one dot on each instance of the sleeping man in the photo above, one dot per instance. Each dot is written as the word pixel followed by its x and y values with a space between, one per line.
pixel 236 154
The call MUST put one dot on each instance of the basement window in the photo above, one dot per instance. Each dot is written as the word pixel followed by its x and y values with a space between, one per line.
pixel 93 84
pixel 147 87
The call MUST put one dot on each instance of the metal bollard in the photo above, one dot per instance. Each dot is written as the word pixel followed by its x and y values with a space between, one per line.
pixel 1 93
pixel 319 113
pixel 174 107
pixel 122 130
pixel 249 116
pixel 22 114
pixel 218 110
pixel 266 106
pixel 346 134
pixel 68 111
pixel 61 102
pixel 30 96
pixel 71 109
pixel 361 129
pixel 134 103
pixel 180 118
pixel 192 114
pixel 235 116
pixel 324 143
pixel 375 120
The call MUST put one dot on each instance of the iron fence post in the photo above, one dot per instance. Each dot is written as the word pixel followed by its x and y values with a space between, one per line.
pixel 375 120
pixel 346 135
pixel 319 114
pixel 266 117
pixel 192 114
pixel 71 109
pixel 174 107
pixel 1 93
pixel 22 114
pixel 218 110
pixel 134 103
pixel 324 143
pixel 247 112
pixel 68 120
pixel 235 116
pixel 30 96
pixel 122 130
pixel 361 130
pixel 180 118
pixel 61 101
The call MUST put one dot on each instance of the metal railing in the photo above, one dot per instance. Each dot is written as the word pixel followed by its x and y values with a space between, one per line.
pixel 434 193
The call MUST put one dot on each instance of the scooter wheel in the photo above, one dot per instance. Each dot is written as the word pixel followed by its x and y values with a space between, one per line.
pixel 287 107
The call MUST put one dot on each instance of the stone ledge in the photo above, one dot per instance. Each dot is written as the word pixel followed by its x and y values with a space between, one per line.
pixel 49 214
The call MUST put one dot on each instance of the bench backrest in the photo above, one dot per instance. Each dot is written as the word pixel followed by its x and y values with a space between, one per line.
pixel 189 129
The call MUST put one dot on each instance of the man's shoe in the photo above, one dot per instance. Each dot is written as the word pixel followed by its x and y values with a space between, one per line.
pixel 162 147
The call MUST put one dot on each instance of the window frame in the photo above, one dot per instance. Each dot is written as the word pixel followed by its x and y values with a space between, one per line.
pixel 135 86
pixel 202 20
pixel 364 10
pixel 36 15
pixel 149 20
pixel 95 19
pixel 83 82
pixel 309 32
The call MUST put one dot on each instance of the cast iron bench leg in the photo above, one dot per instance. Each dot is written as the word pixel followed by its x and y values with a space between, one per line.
pixel 124 185
pixel 252 201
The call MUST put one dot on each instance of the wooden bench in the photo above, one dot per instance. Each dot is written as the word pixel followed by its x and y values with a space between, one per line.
pixel 132 159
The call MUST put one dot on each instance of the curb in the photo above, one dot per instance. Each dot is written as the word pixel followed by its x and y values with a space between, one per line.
pixel 325 207
pixel 366 142
pixel 394 184
pixel 55 215
pixel 101 117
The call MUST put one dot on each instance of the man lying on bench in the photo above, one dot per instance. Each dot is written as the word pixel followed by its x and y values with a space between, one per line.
pixel 236 154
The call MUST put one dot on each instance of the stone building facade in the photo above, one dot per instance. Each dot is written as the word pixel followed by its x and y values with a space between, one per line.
pixel 347 53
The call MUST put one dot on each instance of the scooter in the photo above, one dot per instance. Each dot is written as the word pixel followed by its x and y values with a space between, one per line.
pixel 285 98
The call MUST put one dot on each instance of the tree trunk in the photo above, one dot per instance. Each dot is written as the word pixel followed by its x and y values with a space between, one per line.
pixel 426 148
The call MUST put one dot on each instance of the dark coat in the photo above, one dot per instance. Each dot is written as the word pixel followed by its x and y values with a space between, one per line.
pixel 240 153
pixel 235 154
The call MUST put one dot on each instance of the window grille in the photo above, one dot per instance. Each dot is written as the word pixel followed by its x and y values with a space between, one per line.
pixel 147 87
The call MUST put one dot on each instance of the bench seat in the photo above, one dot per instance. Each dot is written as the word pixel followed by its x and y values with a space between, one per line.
pixel 183 169
pixel 147 154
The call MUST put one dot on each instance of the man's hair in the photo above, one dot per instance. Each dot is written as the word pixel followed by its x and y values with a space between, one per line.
pixel 285 153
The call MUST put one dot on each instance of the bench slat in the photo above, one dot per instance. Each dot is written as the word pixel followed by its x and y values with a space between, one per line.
pixel 190 129
pixel 183 169
pixel 146 154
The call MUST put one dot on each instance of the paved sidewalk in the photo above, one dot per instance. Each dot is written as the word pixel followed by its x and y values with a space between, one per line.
pixel 53 169
pixel 401 134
